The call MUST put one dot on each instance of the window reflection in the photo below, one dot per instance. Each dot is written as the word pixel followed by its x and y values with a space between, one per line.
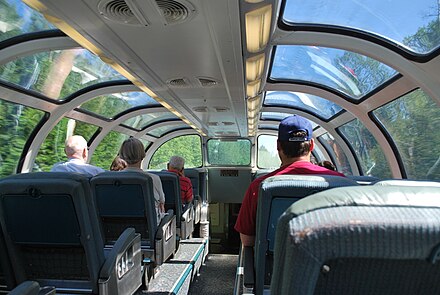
pixel 139 122
pixel 368 151
pixel 109 106
pixel 347 72
pixel 413 123
pixel 16 18
pixel 335 151
pixel 17 122
pixel 59 73
pixel 413 24
pixel 312 103
pixel 159 131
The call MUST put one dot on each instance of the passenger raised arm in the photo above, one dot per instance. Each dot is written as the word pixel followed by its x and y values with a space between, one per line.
pixel 294 145
pixel 77 153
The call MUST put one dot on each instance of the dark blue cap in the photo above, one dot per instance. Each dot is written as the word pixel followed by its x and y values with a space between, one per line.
pixel 293 124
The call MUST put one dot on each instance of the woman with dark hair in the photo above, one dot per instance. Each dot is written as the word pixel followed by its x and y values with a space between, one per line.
pixel 132 152
pixel 118 164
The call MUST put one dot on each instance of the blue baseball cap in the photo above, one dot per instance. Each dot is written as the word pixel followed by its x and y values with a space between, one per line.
pixel 294 124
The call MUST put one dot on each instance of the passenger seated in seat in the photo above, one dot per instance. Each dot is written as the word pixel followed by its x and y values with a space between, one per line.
pixel 295 144
pixel 176 165
pixel 118 164
pixel 77 152
pixel 132 151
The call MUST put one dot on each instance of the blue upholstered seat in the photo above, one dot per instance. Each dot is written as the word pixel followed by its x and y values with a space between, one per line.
pixel 360 240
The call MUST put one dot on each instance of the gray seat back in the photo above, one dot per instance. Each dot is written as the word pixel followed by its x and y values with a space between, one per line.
pixel 276 194
pixel 194 176
pixel 171 188
pixel 360 240
pixel 51 229
pixel 407 182
pixel 126 199
pixel 7 280
pixel 364 179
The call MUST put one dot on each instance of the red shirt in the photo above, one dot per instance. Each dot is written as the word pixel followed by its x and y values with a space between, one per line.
pixel 186 191
pixel 246 221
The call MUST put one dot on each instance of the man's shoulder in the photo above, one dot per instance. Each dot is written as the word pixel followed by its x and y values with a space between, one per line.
pixel 58 166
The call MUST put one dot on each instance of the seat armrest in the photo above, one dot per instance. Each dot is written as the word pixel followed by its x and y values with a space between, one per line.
pixel 26 288
pixel 121 272
pixel 249 269
pixel 165 238
pixel 165 220
pixel 187 223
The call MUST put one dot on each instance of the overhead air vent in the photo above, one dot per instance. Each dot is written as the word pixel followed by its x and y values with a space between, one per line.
pixel 221 109
pixel 119 11
pixel 175 12
pixel 178 82
pixel 228 123
pixel 201 109
pixel 207 82
pixel 212 123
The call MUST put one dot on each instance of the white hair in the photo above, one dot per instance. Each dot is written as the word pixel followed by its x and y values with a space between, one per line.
pixel 177 162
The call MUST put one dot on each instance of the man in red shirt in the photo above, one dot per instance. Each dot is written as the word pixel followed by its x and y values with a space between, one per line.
pixel 294 145
pixel 176 165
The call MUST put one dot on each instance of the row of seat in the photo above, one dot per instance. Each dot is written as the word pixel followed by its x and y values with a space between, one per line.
pixel 97 235
pixel 310 196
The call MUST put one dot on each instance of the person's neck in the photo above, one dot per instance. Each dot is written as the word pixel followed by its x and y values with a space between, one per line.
pixel 289 161
pixel 77 157
pixel 135 165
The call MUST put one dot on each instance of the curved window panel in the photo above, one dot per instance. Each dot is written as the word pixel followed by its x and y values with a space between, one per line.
pixel 107 149
pixel 16 125
pixel 317 154
pixel 307 102
pixel 413 123
pixel 368 151
pixel 268 126
pixel 139 122
pixel 59 73
pixel 347 72
pixel 16 18
pixel 188 147
pixel 108 106
pixel 52 149
pixel 271 116
pixel 267 153
pixel 336 152
pixel 229 152
pixel 414 24
pixel 159 131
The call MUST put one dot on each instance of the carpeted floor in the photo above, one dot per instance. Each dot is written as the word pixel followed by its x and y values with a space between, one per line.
pixel 217 276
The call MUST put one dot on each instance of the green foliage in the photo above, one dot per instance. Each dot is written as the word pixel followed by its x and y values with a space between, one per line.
pixel 16 124
pixel 426 39
pixel 188 147
pixel 107 106
pixel 107 149
pixel 413 123
pixel 233 153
